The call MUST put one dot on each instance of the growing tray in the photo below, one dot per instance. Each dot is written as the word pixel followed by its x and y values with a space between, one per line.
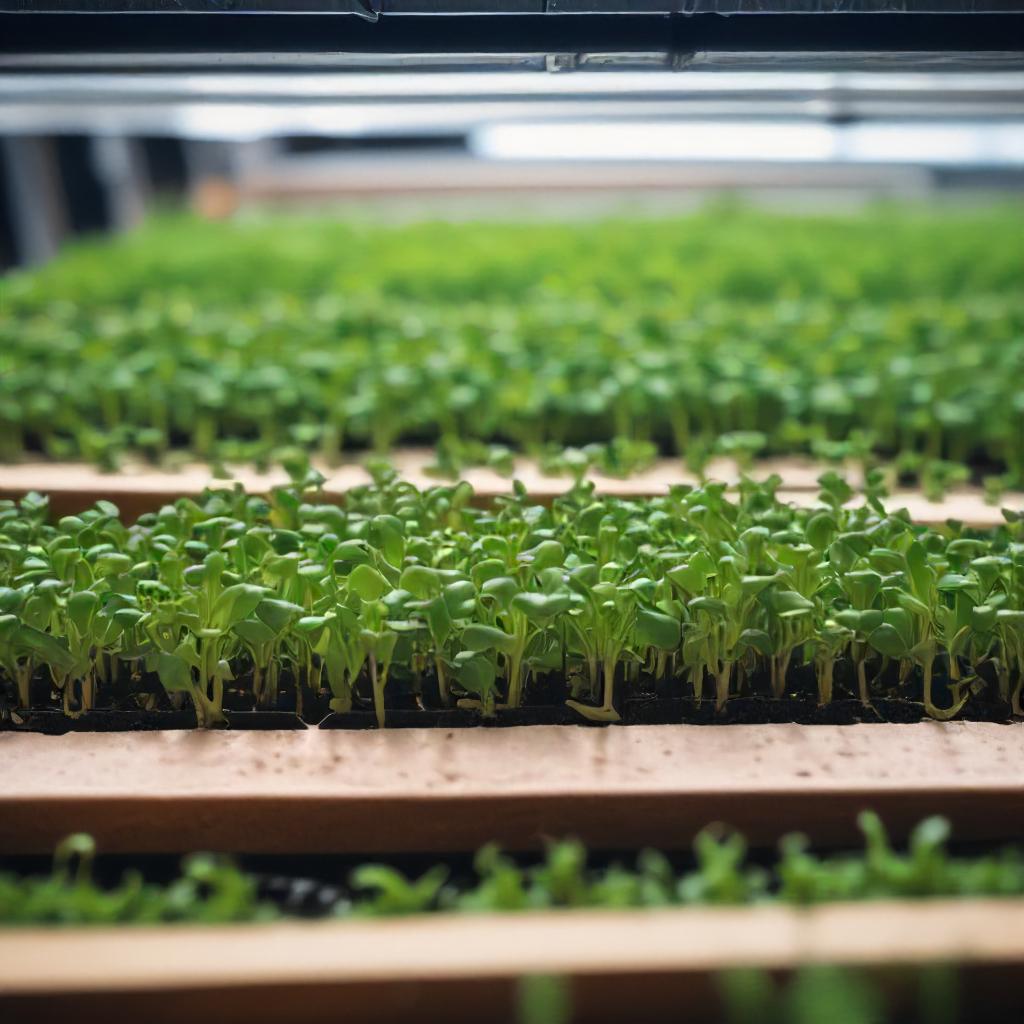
pixel 138 489
pixel 443 790
pixel 466 968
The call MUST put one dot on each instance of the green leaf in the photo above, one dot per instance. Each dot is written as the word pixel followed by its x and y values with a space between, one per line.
pixel 983 618
pixel 887 560
pixel 842 555
pixel 460 597
pixel 753 585
pixel 379 643
pixel 688 577
pixel 912 604
pixel 954 581
pixel 501 589
pixel 788 604
pixel 870 618
pixel 222 670
pixel 988 570
pixel 50 649
pixel 584 577
pixel 128 617
pixel 276 614
pixel 887 640
pixel 112 563
pixel 863 622
pixel 9 626
pixel 656 629
pixel 81 609
pixel 921 574
pixel 863 586
pixel 174 673
pixel 235 603
pixel 387 533
pixel 759 640
pixel 478 637
pixel 421 581
pixel 546 554
pixel 477 675
pixel 439 620
pixel 254 632
pixel 820 530
pixel 711 605
pixel 849 618
pixel 488 569
pixel 540 609
pixel 902 621
pixel 368 583
pixel 645 588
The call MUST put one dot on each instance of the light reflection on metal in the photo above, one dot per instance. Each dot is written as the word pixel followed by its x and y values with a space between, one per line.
pixel 951 144
pixel 248 106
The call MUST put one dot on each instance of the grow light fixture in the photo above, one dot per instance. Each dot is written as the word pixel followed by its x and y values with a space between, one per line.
pixel 963 144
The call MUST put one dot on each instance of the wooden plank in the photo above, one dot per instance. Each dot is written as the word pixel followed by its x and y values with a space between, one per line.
pixel 138 488
pixel 446 790
pixel 411 463
pixel 563 942
pixel 450 967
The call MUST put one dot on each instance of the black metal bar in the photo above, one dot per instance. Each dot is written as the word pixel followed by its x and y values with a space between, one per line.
pixel 466 7
pixel 315 33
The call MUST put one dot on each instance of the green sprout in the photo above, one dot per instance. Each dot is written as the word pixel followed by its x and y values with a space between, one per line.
pixel 582 343
pixel 213 890
pixel 399 594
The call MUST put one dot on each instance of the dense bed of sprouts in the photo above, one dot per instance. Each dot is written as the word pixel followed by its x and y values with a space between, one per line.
pixel 423 591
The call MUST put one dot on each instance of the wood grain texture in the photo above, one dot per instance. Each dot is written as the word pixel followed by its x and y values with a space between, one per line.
pixel 447 790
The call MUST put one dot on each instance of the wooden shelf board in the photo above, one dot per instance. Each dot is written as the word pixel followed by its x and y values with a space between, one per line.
pixel 563 942
pixel 139 488
pixel 455 967
pixel 446 790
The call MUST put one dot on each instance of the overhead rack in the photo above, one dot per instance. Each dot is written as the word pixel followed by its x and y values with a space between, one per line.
pixel 230 79
pixel 556 34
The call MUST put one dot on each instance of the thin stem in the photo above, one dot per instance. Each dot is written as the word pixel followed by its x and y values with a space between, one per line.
pixel 862 683
pixel 698 684
pixel 722 685
pixel 609 684
pixel 442 681
pixel 378 681
pixel 23 678
pixel 942 714
pixel 825 681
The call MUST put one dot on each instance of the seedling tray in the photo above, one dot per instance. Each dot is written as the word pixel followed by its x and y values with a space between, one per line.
pixel 456 968
pixel 136 489
pixel 446 790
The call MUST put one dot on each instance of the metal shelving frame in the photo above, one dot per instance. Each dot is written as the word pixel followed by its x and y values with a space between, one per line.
pixel 114 70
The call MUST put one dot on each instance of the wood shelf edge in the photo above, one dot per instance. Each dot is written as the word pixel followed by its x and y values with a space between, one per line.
pixel 447 790
pixel 565 942
pixel 138 489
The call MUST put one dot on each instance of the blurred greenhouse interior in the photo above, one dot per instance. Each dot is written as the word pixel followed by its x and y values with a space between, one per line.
pixel 512 511
pixel 99 125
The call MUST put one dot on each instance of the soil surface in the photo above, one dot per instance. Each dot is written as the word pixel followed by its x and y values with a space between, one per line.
pixel 415 703
pixel 633 711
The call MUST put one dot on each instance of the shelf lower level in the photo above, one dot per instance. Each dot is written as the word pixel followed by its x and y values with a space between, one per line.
pixel 617 965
